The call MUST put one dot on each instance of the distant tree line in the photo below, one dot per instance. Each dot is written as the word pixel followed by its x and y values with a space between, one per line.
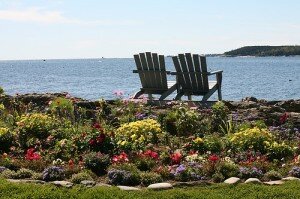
pixel 265 51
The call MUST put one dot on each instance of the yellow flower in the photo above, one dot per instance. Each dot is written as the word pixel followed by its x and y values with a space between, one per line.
pixel 198 140
pixel 133 137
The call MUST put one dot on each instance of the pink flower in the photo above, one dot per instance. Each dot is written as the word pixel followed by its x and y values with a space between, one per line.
pixel 213 158
pixel 176 158
pixel 31 155
pixel 151 154
pixel 123 157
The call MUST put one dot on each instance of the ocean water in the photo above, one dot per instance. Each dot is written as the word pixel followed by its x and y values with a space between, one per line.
pixel 271 78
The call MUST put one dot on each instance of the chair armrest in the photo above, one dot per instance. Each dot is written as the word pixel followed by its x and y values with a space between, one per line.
pixel 208 73
pixel 215 72
pixel 150 71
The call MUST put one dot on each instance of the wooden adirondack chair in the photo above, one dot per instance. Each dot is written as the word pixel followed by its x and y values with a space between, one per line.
pixel 153 75
pixel 192 77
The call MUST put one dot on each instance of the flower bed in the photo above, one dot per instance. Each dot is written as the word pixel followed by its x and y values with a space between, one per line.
pixel 131 143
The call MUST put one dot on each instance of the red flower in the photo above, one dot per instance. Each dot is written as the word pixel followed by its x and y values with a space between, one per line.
pixel 71 164
pixel 101 138
pixel 97 126
pixel 31 155
pixel 151 154
pixel 283 118
pixel 176 158
pixel 92 142
pixel 123 157
pixel 213 158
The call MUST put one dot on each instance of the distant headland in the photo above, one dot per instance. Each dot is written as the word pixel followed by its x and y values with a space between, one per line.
pixel 262 51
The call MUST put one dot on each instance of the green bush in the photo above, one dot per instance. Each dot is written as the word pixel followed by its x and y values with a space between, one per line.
pixel 8 174
pixel 227 169
pixel 148 178
pixel 145 163
pixel 78 177
pixel 218 177
pixel 97 162
pixel 35 126
pixel 279 151
pixel 272 175
pixel 6 139
pixel 1 91
pixel 220 114
pixel 62 107
pixel 24 173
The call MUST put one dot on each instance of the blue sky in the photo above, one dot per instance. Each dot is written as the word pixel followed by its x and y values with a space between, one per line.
pixel 38 29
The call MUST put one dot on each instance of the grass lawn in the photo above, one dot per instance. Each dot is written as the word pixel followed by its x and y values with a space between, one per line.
pixel 288 190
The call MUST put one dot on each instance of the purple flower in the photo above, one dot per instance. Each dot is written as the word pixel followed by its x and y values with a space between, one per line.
pixel 180 169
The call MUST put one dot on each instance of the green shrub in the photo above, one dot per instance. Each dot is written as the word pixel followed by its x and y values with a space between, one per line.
pixel 254 138
pixel 62 107
pixel 97 162
pixel 272 175
pixel 279 151
pixel 148 178
pixel 8 174
pixel 24 173
pixel 78 177
pixel 145 163
pixel 220 114
pixel 6 139
pixel 227 169
pixel 37 176
pixel 35 126
pixel 218 177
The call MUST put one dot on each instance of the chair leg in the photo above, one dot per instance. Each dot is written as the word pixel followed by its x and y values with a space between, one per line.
pixel 168 92
pixel 219 93
pixel 136 95
pixel 178 96
pixel 210 92
pixel 190 97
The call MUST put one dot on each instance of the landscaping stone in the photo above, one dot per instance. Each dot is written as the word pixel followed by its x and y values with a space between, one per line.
pixel 127 188
pixel 253 180
pixel 191 184
pixel 276 182
pixel 88 183
pixel 62 184
pixel 102 185
pixel 290 178
pixel 26 181
pixel 160 186
pixel 232 180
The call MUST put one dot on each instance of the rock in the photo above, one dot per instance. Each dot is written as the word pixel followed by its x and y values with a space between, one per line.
pixel 276 182
pixel 290 178
pixel 102 185
pixel 62 184
pixel 191 184
pixel 249 99
pixel 232 180
pixel 253 180
pixel 127 188
pixel 26 181
pixel 88 183
pixel 160 186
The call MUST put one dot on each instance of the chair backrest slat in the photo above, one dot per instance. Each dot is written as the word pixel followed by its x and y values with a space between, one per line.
pixel 162 67
pixel 191 68
pixel 196 59
pixel 150 64
pixel 188 83
pixel 179 75
pixel 138 63
pixel 204 73
pixel 145 68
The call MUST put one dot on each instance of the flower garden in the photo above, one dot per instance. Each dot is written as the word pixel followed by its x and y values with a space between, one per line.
pixel 130 143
